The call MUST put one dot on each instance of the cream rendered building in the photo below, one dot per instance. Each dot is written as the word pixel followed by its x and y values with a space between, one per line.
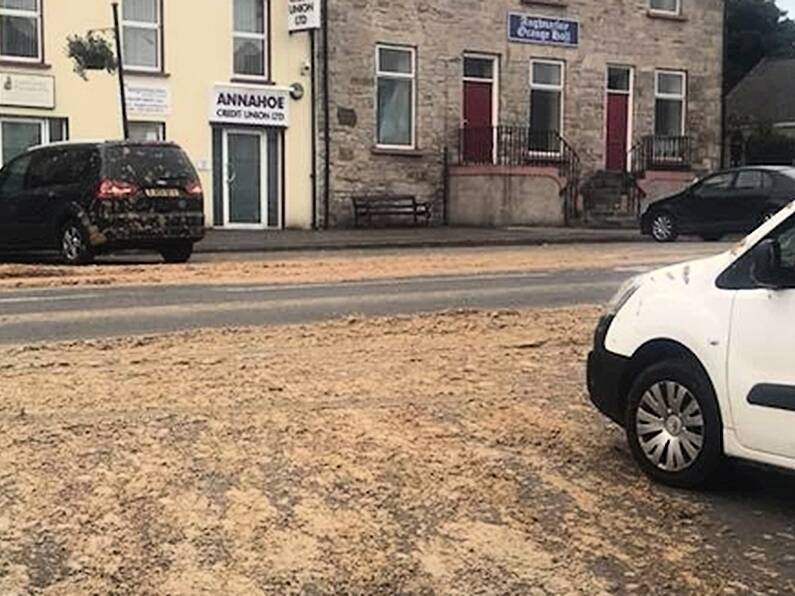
pixel 181 56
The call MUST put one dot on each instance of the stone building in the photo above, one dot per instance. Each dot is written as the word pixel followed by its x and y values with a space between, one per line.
pixel 533 101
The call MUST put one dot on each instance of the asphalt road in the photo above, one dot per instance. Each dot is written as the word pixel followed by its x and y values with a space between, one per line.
pixel 78 313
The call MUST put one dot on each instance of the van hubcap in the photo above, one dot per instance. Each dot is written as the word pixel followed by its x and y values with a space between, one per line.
pixel 72 243
pixel 663 227
pixel 670 426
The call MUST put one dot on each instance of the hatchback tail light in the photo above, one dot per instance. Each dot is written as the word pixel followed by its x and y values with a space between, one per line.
pixel 194 187
pixel 116 189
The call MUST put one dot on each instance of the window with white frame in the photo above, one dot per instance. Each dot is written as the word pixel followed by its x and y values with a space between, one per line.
pixel 147 131
pixel 141 35
pixel 250 38
pixel 17 135
pixel 546 104
pixel 665 6
pixel 20 30
pixel 670 94
pixel 396 89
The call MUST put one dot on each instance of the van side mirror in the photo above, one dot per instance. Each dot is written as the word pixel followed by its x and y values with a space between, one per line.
pixel 766 269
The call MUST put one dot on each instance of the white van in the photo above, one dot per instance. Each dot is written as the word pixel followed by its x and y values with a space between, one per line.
pixel 697 361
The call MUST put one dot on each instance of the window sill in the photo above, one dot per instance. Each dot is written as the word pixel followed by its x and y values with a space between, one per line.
pixel 252 81
pixel 549 3
pixel 397 151
pixel 665 16
pixel 158 74
pixel 8 63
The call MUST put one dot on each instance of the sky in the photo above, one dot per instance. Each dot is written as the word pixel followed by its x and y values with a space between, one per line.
pixel 788 5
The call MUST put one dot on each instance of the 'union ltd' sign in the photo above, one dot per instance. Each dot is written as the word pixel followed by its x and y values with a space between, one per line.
pixel 250 106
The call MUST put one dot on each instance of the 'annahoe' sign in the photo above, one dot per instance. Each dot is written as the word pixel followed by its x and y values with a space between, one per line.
pixel 252 106
pixel 543 30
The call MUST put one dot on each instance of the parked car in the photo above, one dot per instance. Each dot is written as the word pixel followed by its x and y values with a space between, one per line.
pixel 87 198
pixel 732 201
pixel 695 361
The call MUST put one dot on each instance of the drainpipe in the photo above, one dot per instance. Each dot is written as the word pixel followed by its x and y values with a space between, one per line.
pixel 120 68
pixel 326 121
pixel 723 92
pixel 313 66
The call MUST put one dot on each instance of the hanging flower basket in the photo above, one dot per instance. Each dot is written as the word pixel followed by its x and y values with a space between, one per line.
pixel 92 52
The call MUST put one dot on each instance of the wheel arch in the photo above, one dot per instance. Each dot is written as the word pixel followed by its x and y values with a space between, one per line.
pixel 656 351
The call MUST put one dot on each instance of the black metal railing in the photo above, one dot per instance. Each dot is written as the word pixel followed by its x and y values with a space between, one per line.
pixel 523 146
pixel 656 152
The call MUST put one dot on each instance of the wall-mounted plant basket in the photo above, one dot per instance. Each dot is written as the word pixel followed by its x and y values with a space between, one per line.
pixel 92 52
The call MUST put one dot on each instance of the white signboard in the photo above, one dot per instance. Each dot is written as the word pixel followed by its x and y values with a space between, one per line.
pixel 303 15
pixel 27 91
pixel 253 106
pixel 148 100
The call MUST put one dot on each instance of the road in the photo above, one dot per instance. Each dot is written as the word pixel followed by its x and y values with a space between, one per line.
pixel 79 313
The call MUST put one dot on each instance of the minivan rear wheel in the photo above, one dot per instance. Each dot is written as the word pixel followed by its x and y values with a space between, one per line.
pixel 179 252
pixel 75 247
pixel 663 227
pixel 674 427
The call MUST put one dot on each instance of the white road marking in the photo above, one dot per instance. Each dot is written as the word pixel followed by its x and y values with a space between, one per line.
pixel 637 269
pixel 381 282
pixel 26 299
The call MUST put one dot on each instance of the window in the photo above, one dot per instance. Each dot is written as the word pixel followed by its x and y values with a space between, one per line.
pixel 479 68
pixel 396 91
pixel 250 39
pixel 13 177
pixel 147 131
pixel 546 105
pixel 17 136
pixel 619 79
pixel 63 166
pixel 141 35
pixel 670 92
pixel 666 6
pixel 20 30
pixel 752 180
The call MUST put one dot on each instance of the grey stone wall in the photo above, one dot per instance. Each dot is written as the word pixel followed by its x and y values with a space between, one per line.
pixel 611 32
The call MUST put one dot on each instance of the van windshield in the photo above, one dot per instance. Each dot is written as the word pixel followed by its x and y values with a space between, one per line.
pixel 147 165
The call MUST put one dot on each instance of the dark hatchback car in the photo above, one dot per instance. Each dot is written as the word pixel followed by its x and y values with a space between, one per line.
pixel 733 201
pixel 84 199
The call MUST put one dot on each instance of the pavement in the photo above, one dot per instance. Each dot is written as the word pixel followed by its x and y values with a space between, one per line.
pixel 220 241
pixel 88 312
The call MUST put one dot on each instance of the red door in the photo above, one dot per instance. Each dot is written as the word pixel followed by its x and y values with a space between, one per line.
pixel 617 128
pixel 478 126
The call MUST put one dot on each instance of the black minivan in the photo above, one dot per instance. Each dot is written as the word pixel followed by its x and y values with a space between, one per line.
pixel 86 198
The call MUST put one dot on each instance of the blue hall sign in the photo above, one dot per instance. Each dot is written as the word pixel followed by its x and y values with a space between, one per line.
pixel 544 30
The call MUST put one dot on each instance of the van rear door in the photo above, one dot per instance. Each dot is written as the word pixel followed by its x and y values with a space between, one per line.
pixel 161 173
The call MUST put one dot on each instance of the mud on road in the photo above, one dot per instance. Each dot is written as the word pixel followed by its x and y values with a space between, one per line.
pixel 350 266
pixel 450 453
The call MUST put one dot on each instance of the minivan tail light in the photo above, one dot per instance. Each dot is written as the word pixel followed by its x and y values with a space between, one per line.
pixel 116 189
pixel 194 187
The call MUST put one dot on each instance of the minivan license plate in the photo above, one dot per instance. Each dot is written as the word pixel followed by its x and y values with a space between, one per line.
pixel 162 192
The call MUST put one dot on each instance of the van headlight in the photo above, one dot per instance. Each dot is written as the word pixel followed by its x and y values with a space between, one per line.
pixel 623 295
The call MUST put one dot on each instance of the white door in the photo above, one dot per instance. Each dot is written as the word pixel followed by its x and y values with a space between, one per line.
pixel 761 365
pixel 245 179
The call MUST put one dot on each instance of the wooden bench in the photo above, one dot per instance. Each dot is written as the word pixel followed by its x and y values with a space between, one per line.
pixel 390 205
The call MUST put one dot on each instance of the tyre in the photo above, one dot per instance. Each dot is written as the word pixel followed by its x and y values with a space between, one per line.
pixel 74 244
pixel 674 426
pixel 664 227
pixel 712 237
pixel 177 253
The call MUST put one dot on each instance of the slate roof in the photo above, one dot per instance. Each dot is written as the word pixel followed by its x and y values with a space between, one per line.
pixel 767 93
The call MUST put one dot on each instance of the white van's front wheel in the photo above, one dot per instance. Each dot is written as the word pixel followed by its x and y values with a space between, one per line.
pixel 674 426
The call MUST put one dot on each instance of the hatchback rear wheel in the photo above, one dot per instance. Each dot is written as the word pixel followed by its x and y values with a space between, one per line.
pixel 75 247
pixel 674 426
